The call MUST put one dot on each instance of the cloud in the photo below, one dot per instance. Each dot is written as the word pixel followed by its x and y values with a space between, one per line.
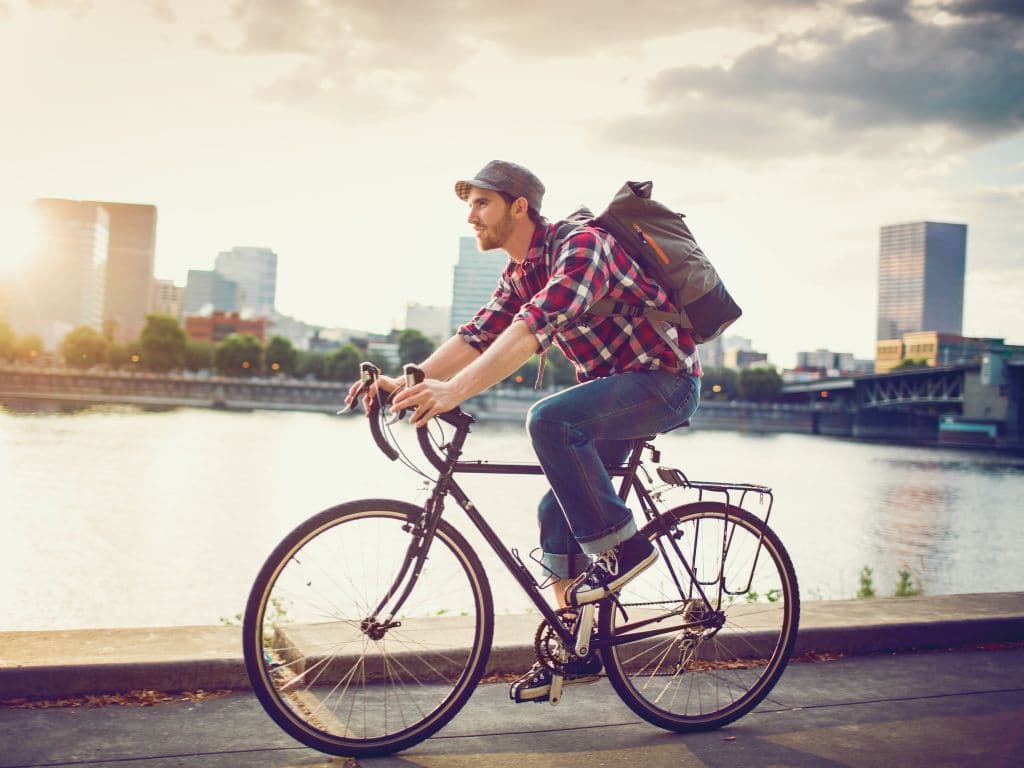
pixel 962 81
pixel 404 55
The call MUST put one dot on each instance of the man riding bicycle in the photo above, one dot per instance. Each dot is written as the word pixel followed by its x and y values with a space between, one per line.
pixel 635 379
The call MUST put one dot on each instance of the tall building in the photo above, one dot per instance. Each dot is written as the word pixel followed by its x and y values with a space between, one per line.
pixel 921 278
pixel 208 291
pixel 62 285
pixel 168 299
pixel 255 272
pixel 129 279
pixel 474 280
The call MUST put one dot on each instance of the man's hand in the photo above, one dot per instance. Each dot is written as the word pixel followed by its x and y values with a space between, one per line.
pixel 428 398
pixel 383 383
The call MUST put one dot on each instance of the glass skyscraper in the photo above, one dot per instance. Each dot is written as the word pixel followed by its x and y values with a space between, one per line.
pixel 921 278
pixel 255 272
pixel 475 278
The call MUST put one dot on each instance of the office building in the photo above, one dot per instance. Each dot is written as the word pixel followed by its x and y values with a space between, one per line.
pixel 168 299
pixel 932 349
pixel 921 279
pixel 474 280
pixel 254 270
pixel 129 278
pixel 62 285
pixel 208 291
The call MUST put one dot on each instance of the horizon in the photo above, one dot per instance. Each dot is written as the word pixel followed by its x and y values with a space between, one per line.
pixel 333 136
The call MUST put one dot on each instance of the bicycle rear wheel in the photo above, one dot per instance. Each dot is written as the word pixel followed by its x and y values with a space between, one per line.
pixel 336 676
pixel 721 658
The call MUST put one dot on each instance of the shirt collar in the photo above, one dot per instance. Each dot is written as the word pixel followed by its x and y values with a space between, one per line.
pixel 538 243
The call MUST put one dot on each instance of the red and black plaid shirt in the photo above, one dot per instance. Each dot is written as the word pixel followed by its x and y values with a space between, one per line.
pixel 553 301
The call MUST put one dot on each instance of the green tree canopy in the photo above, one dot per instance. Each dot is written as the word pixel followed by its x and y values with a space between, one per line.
pixel 280 356
pixel 343 364
pixel 127 355
pixel 725 379
pixel 6 342
pixel 909 363
pixel 28 348
pixel 199 355
pixel 84 347
pixel 163 344
pixel 413 346
pixel 312 364
pixel 239 355
pixel 759 385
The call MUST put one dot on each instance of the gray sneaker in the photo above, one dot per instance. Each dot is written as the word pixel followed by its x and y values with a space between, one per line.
pixel 535 685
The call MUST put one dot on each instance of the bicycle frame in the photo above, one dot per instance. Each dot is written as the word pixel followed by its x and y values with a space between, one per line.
pixel 449 464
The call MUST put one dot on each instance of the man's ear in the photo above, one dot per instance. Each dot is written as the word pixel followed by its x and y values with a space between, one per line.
pixel 520 206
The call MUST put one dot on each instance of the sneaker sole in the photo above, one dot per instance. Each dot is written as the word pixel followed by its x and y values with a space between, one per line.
pixel 593 596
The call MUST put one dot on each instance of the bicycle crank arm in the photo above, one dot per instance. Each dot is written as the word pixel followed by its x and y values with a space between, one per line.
pixel 555 694
pixel 584 628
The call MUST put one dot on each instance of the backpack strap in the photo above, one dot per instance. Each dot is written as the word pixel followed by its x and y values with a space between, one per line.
pixel 659 319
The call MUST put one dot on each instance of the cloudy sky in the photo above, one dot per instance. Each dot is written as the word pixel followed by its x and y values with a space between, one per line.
pixel 789 131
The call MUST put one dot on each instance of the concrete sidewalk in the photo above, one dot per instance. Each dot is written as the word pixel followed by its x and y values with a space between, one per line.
pixel 48 665
pixel 928 709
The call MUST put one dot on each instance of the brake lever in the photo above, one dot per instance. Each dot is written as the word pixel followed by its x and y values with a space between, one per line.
pixel 413 376
pixel 368 373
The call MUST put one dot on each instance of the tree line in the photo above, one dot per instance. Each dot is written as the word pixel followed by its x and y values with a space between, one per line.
pixel 163 347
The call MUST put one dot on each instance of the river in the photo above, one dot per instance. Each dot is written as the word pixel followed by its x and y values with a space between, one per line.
pixel 119 517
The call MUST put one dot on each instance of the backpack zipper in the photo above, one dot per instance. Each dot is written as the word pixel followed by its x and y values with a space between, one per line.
pixel 649 241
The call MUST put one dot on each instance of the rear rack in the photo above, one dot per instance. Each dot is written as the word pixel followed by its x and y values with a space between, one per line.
pixel 729 492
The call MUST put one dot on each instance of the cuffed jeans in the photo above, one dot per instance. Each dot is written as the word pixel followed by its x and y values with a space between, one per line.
pixel 575 433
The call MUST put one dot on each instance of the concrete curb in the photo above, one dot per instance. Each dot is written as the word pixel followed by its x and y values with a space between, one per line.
pixel 48 665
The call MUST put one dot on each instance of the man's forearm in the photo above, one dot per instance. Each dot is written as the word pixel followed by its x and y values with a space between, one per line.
pixel 448 359
pixel 505 356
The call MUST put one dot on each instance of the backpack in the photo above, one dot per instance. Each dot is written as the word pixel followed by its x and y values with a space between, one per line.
pixel 667 253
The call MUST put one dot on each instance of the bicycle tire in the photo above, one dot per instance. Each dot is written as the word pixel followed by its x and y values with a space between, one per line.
pixel 700 678
pixel 313 665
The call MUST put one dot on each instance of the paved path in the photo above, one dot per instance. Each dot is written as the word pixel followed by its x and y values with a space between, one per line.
pixel 942 708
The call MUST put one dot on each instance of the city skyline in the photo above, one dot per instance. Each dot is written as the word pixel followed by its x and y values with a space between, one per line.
pixel 788 135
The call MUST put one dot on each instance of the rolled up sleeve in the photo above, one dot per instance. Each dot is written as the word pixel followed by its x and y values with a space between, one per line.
pixel 579 277
pixel 493 318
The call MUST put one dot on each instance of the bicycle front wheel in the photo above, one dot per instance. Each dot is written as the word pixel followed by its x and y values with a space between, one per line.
pixel 714 659
pixel 329 668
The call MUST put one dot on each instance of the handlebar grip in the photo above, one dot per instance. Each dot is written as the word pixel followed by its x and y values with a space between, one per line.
pixel 413 374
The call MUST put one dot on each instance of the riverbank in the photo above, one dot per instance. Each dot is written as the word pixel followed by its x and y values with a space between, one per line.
pixel 47 665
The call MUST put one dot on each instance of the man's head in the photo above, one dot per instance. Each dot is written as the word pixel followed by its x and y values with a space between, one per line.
pixel 502 197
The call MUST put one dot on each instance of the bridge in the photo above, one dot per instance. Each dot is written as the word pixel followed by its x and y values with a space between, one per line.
pixel 952 398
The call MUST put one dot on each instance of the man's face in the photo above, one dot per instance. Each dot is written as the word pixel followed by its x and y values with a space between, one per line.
pixel 491 218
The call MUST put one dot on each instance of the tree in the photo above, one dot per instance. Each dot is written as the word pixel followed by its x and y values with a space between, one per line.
pixel 84 347
pixel 280 356
pixel 759 385
pixel 163 344
pixel 343 364
pixel 908 364
pixel 126 355
pixel 6 342
pixel 313 365
pixel 239 355
pixel 28 348
pixel 199 355
pixel 413 346
pixel 724 379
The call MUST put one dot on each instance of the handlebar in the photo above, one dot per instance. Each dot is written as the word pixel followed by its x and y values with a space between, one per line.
pixel 368 374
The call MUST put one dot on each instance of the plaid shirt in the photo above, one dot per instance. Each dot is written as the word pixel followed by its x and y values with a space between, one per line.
pixel 587 266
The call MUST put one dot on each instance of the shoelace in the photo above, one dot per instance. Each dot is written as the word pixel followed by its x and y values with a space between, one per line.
pixel 608 561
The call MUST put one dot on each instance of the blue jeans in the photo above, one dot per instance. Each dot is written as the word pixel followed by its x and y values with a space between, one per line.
pixel 575 433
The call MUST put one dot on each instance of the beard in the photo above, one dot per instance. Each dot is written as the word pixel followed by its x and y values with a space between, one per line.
pixel 496 236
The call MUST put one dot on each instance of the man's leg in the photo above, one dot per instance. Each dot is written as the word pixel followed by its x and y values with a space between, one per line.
pixel 566 429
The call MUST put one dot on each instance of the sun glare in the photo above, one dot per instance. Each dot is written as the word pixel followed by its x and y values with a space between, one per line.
pixel 21 237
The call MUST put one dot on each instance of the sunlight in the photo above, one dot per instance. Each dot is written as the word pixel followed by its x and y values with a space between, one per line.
pixel 21 237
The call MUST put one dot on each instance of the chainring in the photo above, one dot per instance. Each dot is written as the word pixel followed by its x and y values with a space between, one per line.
pixel 548 646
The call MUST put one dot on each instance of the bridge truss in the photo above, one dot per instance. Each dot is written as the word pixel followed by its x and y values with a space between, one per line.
pixel 931 387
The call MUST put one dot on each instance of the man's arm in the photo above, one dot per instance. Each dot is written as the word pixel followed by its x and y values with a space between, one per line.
pixel 448 359
pixel 504 357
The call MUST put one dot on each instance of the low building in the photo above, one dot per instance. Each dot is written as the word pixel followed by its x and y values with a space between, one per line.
pixel 220 325
pixel 935 349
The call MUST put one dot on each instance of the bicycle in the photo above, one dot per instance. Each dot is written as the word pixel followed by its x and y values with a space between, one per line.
pixel 370 625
